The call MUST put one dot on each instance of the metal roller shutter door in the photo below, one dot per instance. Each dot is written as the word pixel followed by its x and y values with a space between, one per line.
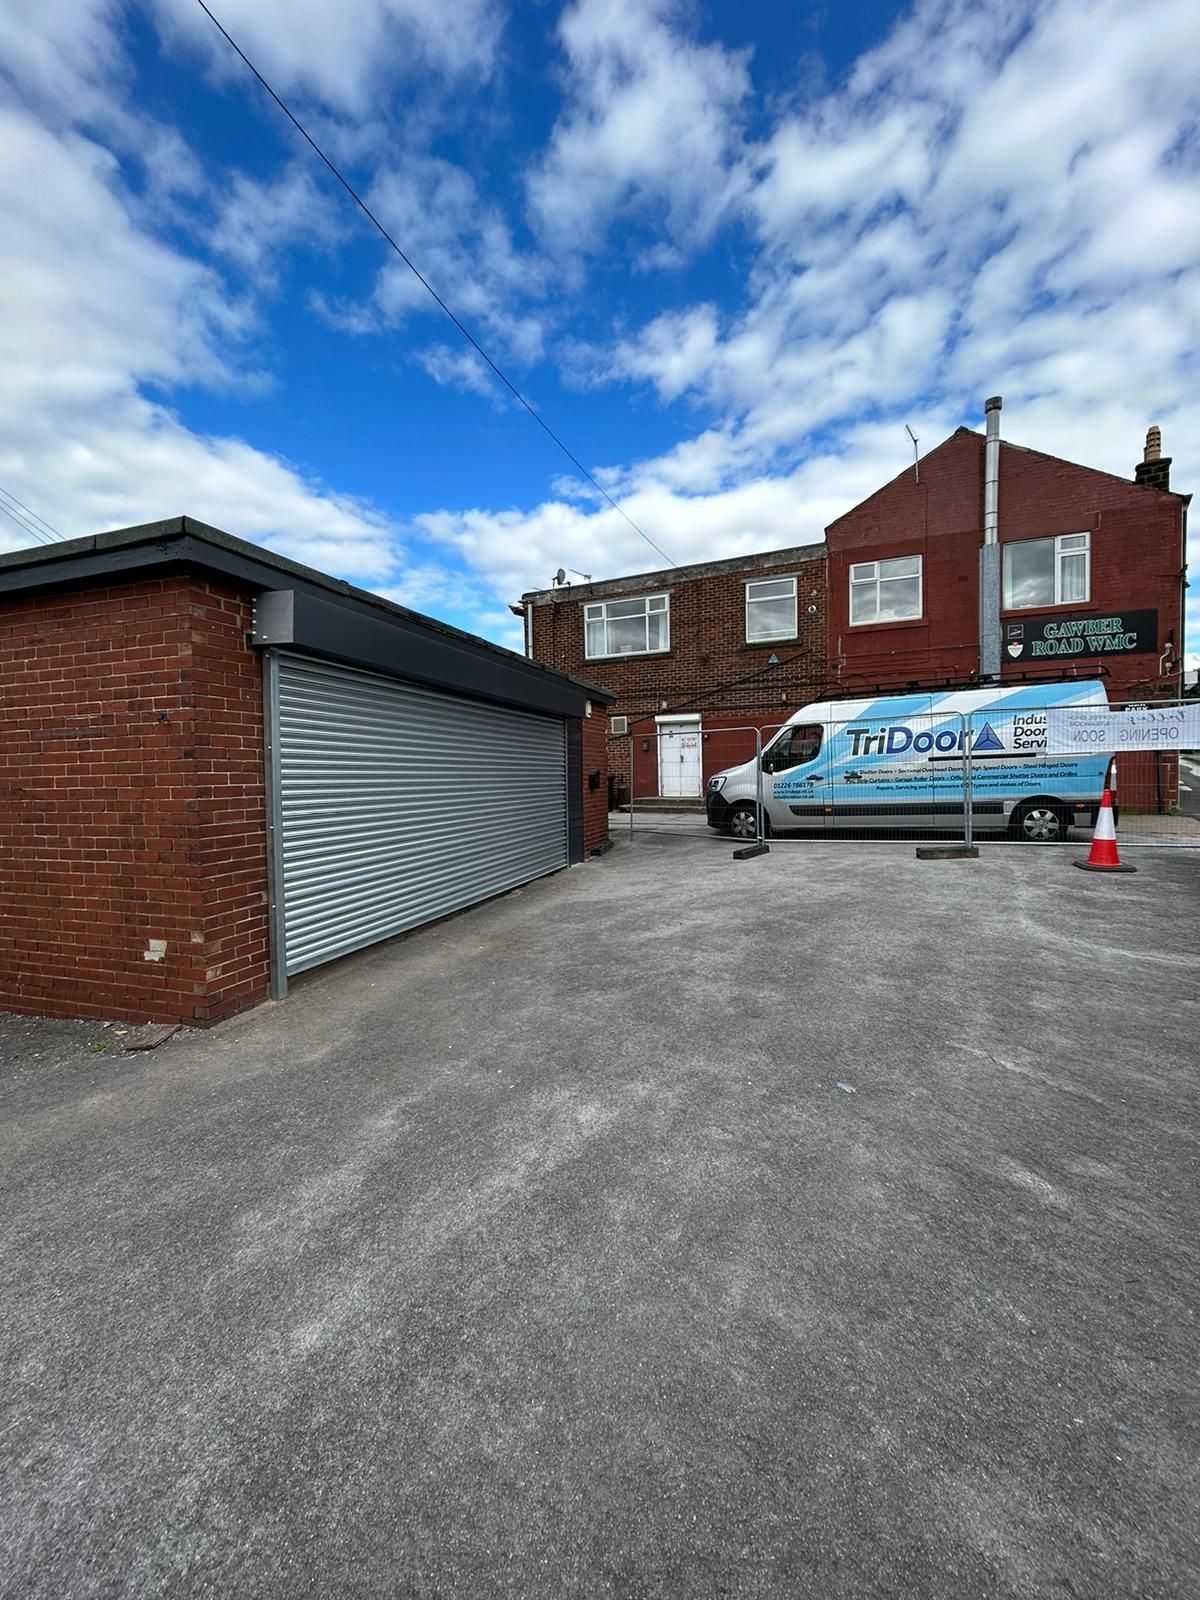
pixel 398 804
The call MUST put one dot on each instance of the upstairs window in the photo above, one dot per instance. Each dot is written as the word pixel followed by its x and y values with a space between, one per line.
pixel 770 609
pixel 1048 572
pixel 627 627
pixel 885 591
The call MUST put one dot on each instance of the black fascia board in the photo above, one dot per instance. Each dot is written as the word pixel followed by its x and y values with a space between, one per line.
pixel 334 630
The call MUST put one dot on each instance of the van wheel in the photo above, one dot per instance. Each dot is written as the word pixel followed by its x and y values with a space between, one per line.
pixel 742 820
pixel 1040 822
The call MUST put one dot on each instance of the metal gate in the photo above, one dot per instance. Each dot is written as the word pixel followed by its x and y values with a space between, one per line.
pixel 392 804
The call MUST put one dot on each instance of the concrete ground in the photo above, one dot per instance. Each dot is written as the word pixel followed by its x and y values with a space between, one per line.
pixel 1137 829
pixel 821 1225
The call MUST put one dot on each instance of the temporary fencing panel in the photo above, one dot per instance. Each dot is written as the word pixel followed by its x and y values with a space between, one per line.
pixel 396 804
pixel 1155 790
pixel 653 752
pixel 929 770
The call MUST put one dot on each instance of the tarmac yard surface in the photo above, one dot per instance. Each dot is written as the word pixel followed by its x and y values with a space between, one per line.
pixel 825 1224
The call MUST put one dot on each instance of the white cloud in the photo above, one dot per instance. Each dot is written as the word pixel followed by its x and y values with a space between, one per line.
pixel 88 335
pixel 464 250
pixel 516 550
pixel 445 591
pixel 992 200
pixel 343 54
pixel 257 219
pixel 675 352
pixel 975 164
pixel 460 369
pixel 64 54
pixel 84 332
pixel 1003 199
pixel 830 166
pixel 651 125
pixel 354 317
pixel 83 324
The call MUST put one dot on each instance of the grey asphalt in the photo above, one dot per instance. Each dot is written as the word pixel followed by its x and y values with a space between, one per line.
pixel 825 1224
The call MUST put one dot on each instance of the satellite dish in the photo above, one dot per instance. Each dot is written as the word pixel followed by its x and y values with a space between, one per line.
pixel 561 575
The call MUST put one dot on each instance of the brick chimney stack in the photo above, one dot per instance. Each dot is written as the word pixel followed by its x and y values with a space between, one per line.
pixel 1154 468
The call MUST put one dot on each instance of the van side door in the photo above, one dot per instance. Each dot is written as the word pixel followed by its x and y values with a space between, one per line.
pixel 880 777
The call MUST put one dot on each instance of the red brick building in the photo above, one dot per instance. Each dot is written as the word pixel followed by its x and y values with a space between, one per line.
pixel 219 769
pixel 1090 583
pixel 1092 573
pixel 690 654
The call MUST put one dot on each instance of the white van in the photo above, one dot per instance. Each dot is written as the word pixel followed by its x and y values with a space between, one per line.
pixel 896 761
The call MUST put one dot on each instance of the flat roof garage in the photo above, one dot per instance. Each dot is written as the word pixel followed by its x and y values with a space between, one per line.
pixel 221 768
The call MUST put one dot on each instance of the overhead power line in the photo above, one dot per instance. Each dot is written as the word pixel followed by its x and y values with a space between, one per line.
pixel 19 513
pixel 25 527
pixel 427 286
pixel 48 526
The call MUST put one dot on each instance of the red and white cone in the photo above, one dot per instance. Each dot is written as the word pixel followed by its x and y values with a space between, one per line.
pixel 1103 857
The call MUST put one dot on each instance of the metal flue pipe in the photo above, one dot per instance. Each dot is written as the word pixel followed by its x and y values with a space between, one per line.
pixel 989 555
pixel 991 471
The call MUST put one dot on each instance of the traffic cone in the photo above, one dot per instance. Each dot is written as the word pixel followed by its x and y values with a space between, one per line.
pixel 1103 857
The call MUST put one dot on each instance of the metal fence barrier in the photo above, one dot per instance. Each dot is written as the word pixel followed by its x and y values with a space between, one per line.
pixel 660 777
pixel 976 776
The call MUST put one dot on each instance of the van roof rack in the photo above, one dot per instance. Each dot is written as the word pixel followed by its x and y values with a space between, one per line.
pixel 973 680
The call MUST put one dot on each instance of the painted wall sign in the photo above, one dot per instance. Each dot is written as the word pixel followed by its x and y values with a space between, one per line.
pixel 1077 730
pixel 1126 633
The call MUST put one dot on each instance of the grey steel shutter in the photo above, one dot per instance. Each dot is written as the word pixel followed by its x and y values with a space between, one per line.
pixel 399 804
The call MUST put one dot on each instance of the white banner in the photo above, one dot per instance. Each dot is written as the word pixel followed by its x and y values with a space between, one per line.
pixel 1078 730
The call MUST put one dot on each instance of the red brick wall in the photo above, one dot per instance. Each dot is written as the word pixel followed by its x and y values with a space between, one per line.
pixel 595 759
pixel 231 799
pixel 1136 562
pixel 709 668
pixel 131 804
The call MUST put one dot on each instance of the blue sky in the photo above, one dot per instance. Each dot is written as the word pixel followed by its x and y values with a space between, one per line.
pixel 728 250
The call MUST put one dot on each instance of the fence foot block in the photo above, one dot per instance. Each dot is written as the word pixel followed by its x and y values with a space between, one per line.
pixel 947 852
pixel 752 850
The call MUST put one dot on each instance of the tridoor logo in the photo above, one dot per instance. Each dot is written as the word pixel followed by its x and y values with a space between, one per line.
pixel 986 740
pixel 899 738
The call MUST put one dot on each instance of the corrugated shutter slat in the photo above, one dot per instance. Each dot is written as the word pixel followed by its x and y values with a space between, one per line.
pixel 400 804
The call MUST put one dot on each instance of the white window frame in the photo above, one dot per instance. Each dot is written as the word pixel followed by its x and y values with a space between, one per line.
pixel 788 633
pixel 1085 550
pixel 597 611
pixel 873 579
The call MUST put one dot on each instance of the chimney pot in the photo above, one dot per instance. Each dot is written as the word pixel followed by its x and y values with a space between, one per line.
pixel 993 404
pixel 1154 469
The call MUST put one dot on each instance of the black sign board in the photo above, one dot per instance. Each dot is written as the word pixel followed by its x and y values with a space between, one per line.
pixel 1127 633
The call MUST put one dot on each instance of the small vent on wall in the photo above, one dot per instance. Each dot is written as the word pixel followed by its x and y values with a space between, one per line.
pixel 618 725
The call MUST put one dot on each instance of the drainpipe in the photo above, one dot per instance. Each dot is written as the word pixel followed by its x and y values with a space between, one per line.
pixel 989 555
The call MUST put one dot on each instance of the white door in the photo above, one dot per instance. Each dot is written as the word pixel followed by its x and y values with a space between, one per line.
pixel 679 758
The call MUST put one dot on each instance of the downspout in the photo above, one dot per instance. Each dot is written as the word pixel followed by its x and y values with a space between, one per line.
pixel 1183 589
pixel 989 555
